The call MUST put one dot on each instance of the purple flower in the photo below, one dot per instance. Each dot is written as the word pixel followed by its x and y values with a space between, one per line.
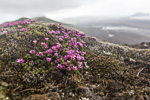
pixel 58 45
pixel 80 44
pixel 49 51
pixel 73 57
pixel 46 46
pixel 60 49
pixel 63 67
pixel 57 61
pixel 32 51
pixel 78 57
pixel 82 58
pixel 59 66
pixel 54 47
pixel 19 26
pixel 32 20
pixel 68 68
pixel 82 41
pixel 74 68
pixel 22 29
pixel 56 50
pixel 28 22
pixel 68 61
pixel 58 32
pixel 43 43
pixel 60 39
pixel 20 61
pixel 40 54
pixel 80 67
pixel 83 53
pixel 48 59
pixel 4 32
pixel 35 41
pixel 56 54
pixel 79 63
pixel 46 39
pixel 71 65
pixel 50 32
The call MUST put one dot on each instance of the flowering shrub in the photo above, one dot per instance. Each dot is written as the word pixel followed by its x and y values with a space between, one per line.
pixel 57 47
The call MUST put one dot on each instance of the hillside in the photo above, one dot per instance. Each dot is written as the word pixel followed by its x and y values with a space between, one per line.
pixel 109 71
pixel 130 30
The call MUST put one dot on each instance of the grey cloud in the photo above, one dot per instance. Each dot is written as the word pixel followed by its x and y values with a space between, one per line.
pixel 14 9
pixel 37 6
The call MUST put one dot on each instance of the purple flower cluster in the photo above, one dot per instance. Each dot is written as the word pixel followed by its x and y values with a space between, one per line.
pixel 20 61
pixel 4 32
pixel 67 51
pixel 27 21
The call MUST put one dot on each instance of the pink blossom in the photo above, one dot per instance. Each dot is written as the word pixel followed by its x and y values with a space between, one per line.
pixel 22 29
pixel 79 63
pixel 40 54
pixel 4 32
pixel 82 58
pixel 58 45
pixel 80 67
pixel 83 53
pixel 46 39
pixel 50 32
pixel 68 61
pixel 60 49
pixel 32 20
pixel 58 32
pixel 80 44
pixel 32 51
pixel 28 22
pixel 48 59
pixel 49 51
pixel 68 68
pixel 43 43
pixel 57 61
pixel 19 26
pixel 74 68
pixel 53 47
pixel 25 29
pixel 46 46
pixel 60 39
pixel 59 66
pixel 71 65
pixel 35 41
pixel 78 57
pixel 63 67
pixel 56 54
pixel 82 41
pixel 56 50
pixel 20 61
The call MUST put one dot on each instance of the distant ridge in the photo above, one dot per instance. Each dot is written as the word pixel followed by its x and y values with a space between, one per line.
pixel 140 14
pixel 45 20
pixel 42 18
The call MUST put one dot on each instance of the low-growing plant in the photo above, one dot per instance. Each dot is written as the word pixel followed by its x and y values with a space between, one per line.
pixel 60 48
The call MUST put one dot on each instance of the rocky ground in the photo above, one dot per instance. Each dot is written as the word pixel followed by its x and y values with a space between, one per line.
pixel 143 45
pixel 111 72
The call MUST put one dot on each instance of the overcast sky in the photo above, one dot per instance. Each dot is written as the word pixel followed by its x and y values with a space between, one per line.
pixel 59 9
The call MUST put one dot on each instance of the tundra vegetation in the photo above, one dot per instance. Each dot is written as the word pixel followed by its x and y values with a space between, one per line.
pixel 49 61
